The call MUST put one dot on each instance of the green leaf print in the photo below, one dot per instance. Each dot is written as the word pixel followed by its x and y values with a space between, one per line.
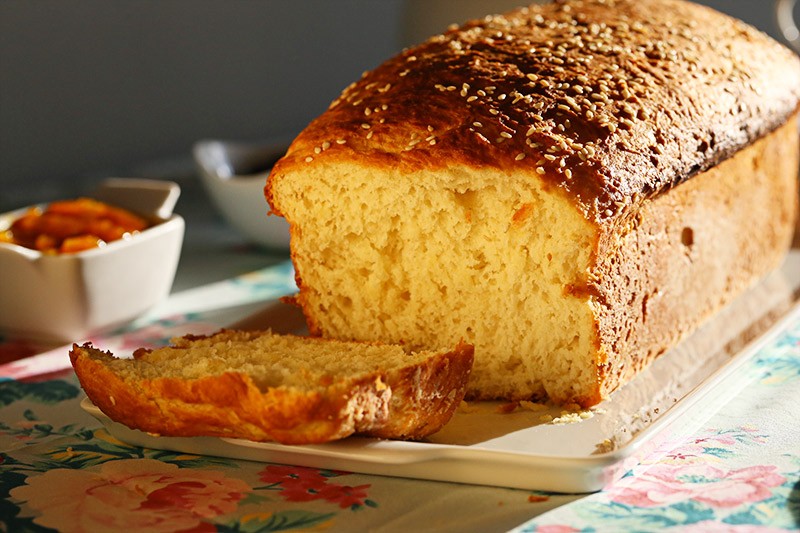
pixel 102 447
pixel 280 521
pixel 9 519
pixel 46 392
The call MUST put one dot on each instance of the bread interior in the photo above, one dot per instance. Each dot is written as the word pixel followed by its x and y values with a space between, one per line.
pixel 271 360
pixel 457 254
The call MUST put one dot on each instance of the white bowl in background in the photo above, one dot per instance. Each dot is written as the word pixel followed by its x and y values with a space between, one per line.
pixel 68 297
pixel 234 175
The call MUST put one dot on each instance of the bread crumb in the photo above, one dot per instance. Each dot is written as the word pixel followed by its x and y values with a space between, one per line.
pixel 536 498
pixel 506 408
pixel 606 446
pixel 546 418
pixel 575 415
pixel 567 418
pixel 465 407
pixel 532 406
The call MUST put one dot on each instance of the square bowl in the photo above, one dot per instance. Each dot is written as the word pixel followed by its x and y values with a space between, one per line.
pixel 67 297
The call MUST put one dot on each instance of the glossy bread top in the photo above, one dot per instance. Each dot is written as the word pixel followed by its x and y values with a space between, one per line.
pixel 598 97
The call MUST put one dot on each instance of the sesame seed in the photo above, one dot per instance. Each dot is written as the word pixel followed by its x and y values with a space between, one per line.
pixel 365 126
pixel 520 157
pixel 309 159
pixel 505 134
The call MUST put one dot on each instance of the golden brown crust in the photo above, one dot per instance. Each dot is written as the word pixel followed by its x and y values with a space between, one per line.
pixel 232 405
pixel 688 252
pixel 607 102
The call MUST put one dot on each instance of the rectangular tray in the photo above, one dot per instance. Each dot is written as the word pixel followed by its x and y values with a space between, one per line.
pixel 539 448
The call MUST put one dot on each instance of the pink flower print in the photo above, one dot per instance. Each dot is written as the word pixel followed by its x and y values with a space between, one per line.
pixel 131 495
pixel 299 484
pixel 665 484
pixel 292 475
pixel 556 529
pixel 344 495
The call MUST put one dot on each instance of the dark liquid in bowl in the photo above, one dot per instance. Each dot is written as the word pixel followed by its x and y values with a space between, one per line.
pixel 258 167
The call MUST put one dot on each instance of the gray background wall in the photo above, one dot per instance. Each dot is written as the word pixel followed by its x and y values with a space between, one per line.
pixel 92 87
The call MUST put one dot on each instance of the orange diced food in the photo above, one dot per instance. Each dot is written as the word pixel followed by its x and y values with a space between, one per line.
pixel 70 226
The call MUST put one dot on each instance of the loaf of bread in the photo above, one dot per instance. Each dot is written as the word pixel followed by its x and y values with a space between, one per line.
pixel 571 187
pixel 268 387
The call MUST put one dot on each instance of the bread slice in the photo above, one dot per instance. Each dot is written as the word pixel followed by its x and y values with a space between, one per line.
pixel 571 187
pixel 268 387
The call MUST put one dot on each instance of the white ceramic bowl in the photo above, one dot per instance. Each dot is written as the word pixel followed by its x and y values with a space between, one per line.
pixel 234 175
pixel 65 298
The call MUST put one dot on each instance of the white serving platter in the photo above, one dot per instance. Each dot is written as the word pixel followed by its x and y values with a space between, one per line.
pixel 580 452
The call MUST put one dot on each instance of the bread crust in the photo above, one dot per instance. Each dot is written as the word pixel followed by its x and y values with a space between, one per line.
pixel 645 103
pixel 690 251
pixel 410 403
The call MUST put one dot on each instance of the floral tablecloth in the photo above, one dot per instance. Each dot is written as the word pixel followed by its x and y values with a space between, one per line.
pixel 60 470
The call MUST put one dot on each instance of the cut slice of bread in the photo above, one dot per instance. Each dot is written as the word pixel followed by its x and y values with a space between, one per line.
pixel 262 386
